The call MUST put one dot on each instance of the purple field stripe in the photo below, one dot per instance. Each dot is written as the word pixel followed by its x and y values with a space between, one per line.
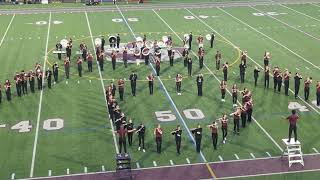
pixel 263 166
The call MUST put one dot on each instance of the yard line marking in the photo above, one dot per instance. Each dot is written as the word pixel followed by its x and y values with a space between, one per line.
pixel 102 84
pixel 49 173
pixel 268 154
pixel 311 106
pixel 188 161
pixel 315 5
pixel 154 163
pixel 171 162
pixel 12 176
pixel 299 12
pixel 233 72
pixel 307 68
pixel 66 82
pixel 40 101
pixel 252 155
pixel 269 38
pixel 279 147
pixel 236 156
pixel 220 158
pixel 315 150
pixel 5 33
pixel 305 33
pixel 85 169
pixel 138 165
pixel 2 126
pixel 78 82
pixel 68 171
pixel 298 69
pixel 103 169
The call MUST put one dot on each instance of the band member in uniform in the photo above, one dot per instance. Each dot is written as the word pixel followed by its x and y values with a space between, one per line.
pixel 84 52
pixel 158 134
pixel 218 60
pixel 185 55
pixel 178 83
pixel 118 41
pixel 133 78
pixel 199 83
pixel 89 61
pixel 307 84
pixel 68 50
pixel 242 68
pixel 32 81
pixel 150 79
pixel 103 42
pixel 39 78
pixel 278 79
pixel 171 57
pixel 189 66
pixel 25 77
pixel 59 48
pixel 243 116
pixel 224 127
pixel 297 79
pixel 113 59
pixel 113 89
pixel 286 78
pixel 125 57
pixel 144 38
pixel 55 71
pixel 244 56
pixel 67 67
pixel 100 58
pixel 293 118
pixel 212 39
pixel 146 59
pixel 177 136
pixel 49 77
pixel 266 58
pixel 141 133
pixel 223 87
pixel 234 95
pixel 7 86
pixel 198 136
pixel 236 118
pixel 201 56
pixel 256 75
pixel 190 40
pixel 121 88
pixel 266 77
pixel 225 71
pixel 130 129
pixel 214 134
pixel 79 64
pixel 18 80
pixel 248 106
pixel 122 132
pixel 158 65
pixel 318 93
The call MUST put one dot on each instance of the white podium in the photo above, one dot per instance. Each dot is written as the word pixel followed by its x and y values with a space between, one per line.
pixel 293 151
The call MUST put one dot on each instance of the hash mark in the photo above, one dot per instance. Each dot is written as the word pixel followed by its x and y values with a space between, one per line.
pixel 220 158
pixel 49 173
pixel 171 162
pixel 138 165
pixel 252 155
pixel 154 163
pixel 68 171
pixel 188 161
pixel 307 68
pixel 268 154
pixel 315 150
pixel 12 176
pixel 103 169
pixel 85 169
pixel 236 156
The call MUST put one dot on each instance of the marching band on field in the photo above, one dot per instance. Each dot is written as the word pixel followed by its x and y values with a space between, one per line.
pixel 142 49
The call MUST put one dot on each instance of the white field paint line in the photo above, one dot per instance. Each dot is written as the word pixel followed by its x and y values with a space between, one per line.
pixel 155 163
pixel 102 84
pixel 307 68
pixel 298 69
pixel 49 173
pixel 167 93
pixel 315 150
pixel 85 169
pixel 304 59
pixel 233 72
pixel 299 12
pixel 66 82
pixel 305 33
pixel 252 155
pixel 13 176
pixel 269 136
pixel 103 169
pixel 318 67
pixel 268 154
pixel 237 157
pixel 40 102
pixel 8 27
pixel 2 126
pixel 313 4
pixel 78 82
pixel 220 158
pixel 171 162
pixel 68 171
pixel 138 165
pixel 188 161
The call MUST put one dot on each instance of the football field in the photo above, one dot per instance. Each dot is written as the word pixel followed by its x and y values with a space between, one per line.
pixel 66 129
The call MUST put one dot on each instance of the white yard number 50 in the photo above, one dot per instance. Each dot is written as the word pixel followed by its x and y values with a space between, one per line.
pixel 166 116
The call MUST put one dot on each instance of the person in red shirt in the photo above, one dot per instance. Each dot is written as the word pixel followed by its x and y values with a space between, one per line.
pixel 90 59
pixel 67 67
pixel 121 88
pixel 234 95
pixel 150 79
pixel 158 62
pixel 293 118
pixel 318 93
pixel 218 60
pixel 122 132
pixel 7 86
pixel 224 127
pixel 307 84
pixel 158 133
pixel 223 87
pixel 236 120
pixel 214 133
pixel 79 64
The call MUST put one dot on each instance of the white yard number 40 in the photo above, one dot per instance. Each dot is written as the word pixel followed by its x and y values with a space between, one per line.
pixel 49 125
pixel 166 116
pixel 297 106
